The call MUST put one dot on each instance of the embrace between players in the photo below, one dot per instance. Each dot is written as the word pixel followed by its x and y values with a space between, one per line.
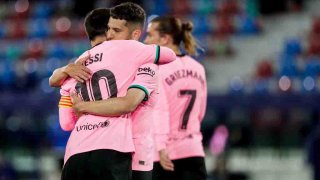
pixel 130 117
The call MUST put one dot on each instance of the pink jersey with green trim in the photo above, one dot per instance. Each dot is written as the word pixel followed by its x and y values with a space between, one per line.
pixel 182 107
pixel 147 76
pixel 114 65
pixel 142 117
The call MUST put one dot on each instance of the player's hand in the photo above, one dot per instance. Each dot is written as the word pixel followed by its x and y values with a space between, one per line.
pixel 78 71
pixel 76 104
pixel 165 161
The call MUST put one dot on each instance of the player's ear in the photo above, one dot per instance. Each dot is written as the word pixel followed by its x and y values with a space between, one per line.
pixel 135 35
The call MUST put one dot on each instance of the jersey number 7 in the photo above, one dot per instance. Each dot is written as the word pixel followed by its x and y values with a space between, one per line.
pixel 192 97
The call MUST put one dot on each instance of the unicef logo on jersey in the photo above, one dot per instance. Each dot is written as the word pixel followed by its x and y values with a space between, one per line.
pixel 90 127
pixel 147 71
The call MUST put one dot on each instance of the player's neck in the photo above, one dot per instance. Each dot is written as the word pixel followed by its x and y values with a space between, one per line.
pixel 97 40
pixel 174 48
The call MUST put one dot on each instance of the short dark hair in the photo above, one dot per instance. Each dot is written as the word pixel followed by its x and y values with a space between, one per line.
pixel 131 12
pixel 96 22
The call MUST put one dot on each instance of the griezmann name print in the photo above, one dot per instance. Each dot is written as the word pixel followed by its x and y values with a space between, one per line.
pixel 184 73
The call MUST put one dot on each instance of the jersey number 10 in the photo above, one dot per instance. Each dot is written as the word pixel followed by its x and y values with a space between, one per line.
pixel 94 87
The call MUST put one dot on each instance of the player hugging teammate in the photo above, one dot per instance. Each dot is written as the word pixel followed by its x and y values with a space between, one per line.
pixel 149 124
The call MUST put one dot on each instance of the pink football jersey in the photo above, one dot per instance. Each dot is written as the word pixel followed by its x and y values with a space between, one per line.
pixel 147 75
pixel 185 96
pixel 142 117
pixel 114 65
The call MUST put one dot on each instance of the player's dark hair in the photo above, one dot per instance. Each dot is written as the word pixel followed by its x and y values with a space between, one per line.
pixel 180 32
pixel 96 22
pixel 131 12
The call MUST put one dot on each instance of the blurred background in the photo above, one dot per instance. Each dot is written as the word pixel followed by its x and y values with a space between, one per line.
pixel 262 59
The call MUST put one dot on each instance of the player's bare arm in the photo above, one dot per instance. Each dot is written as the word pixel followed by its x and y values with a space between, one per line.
pixel 74 70
pixel 110 107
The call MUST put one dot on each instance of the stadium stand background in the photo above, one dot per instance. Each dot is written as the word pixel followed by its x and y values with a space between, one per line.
pixel 262 59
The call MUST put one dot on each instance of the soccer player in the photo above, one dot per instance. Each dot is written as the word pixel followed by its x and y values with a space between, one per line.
pixel 123 24
pixel 180 153
pixel 100 147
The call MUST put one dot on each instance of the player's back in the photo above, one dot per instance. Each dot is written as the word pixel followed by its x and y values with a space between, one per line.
pixel 113 65
pixel 184 82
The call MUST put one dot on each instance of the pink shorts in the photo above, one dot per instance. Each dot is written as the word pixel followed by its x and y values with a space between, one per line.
pixel 142 158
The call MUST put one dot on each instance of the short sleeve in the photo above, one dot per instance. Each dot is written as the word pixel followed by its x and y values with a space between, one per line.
pixel 146 79
pixel 156 54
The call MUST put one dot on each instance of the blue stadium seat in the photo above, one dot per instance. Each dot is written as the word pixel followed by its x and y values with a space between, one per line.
pixel 42 10
pixel 57 50
pixel 288 66
pixel 293 46
pixel 312 67
pixel 3 50
pixel 31 66
pixel 261 86
pixel 201 24
pixel 52 64
pixel 2 72
pixel 246 25
pixel 38 28
pixel 57 136
pixel 3 31
pixel 7 75
pixel 42 69
pixel 160 7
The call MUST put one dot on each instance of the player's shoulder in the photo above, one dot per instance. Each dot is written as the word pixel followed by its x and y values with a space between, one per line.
pixel 193 62
pixel 129 46
pixel 86 53
pixel 126 43
pixel 92 50
pixel 151 65
pixel 116 44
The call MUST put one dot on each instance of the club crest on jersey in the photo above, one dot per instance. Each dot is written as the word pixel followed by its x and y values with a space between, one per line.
pixel 147 71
